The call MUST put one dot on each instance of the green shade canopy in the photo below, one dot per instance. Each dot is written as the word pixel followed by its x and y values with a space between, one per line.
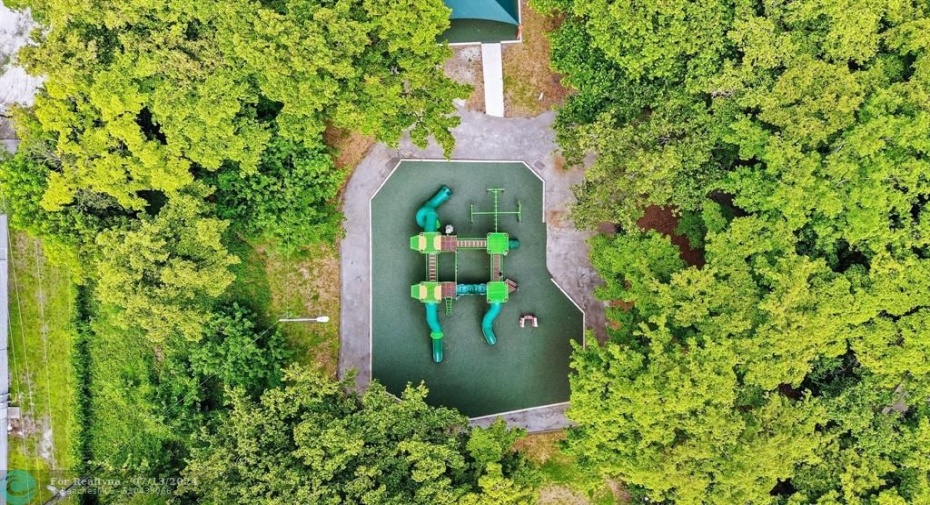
pixel 502 11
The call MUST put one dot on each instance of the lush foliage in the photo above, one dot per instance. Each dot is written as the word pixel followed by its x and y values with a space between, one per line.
pixel 163 272
pixel 290 199
pixel 23 181
pixel 239 354
pixel 317 443
pixel 148 400
pixel 792 366
pixel 138 93
pixel 167 131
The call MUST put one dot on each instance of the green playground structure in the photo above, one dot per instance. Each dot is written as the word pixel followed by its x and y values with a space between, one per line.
pixel 487 323
pixel 432 320
pixel 432 244
pixel 427 217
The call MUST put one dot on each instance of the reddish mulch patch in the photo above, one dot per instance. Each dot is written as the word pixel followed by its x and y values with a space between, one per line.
pixel 664 221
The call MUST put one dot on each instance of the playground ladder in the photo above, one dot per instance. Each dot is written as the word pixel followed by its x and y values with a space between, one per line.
pixel 449 306
pixel 497 268
pixel 431 267
pixel 480 243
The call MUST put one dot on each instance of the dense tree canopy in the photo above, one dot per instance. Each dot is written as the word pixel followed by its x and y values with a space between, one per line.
pixel 149 399
pixel 316 443
pixel 792 365
pixel 164 272
pixel 138 94
pixel 290 199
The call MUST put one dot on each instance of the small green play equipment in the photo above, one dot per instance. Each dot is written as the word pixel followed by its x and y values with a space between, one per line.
pixel 432 244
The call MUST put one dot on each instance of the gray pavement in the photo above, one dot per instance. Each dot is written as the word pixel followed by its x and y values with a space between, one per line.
pixel 4 356
pixel 478 137
pixel 539 419
pixel 8 135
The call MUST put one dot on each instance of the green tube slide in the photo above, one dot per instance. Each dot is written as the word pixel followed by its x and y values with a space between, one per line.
pixel 432 319
pixel 471 289
pixel 487 323
pixel 427 217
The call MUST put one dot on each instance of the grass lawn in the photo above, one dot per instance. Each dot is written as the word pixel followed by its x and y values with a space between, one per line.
pixel 305 283
pixel 530 85
pixel 564 481
pixel 40 348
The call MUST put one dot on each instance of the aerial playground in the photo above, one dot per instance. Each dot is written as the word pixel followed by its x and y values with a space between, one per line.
pixel 432 244
pixel 528 363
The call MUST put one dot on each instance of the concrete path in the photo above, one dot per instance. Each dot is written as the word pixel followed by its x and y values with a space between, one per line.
pixel 479 137
pixel 4 357
pixel 539 419
pixel 493 69
pixel 16 86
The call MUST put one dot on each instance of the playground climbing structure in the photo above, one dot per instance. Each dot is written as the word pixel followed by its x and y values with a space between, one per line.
pixel 432 244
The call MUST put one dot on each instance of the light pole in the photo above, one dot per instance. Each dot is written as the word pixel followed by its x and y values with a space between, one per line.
pixel 318 319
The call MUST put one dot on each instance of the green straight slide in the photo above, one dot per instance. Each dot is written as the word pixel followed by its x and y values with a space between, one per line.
pixel 432 319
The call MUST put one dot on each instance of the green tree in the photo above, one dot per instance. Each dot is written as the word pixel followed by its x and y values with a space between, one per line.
pixel 808 128
pixel 318 443
pixel 163 273
pixel 66 233
pixel 237 353
pixel 291 199
pixel 151 398
pixel 140 96
pixel 368 66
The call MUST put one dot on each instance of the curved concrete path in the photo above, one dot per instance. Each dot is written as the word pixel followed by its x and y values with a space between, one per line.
pixel 478 137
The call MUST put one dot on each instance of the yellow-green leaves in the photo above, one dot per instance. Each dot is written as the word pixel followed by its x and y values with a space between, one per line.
pixel 317 442
pixel 164 272
pixel 142 94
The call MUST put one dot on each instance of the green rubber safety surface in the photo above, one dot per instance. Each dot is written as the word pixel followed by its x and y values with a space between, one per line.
pixel 477 30
pixel 528 367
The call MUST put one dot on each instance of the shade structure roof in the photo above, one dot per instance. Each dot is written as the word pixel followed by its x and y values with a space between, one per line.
pixel 501 11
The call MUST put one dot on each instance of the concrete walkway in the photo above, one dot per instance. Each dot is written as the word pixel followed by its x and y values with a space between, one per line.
pixel 479 137
pixel 16 86
pixel 493 69
pixel 4 356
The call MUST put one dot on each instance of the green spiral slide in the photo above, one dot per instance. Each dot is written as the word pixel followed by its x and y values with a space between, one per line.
pixel 487 323
pixel 427 217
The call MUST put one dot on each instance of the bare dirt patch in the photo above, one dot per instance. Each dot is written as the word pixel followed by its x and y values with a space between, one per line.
pixel 664 220
pixel 555 218
pixel 561 495
pixel 350 147
pixel 465 67
pixel 540 447
pixel 530 85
